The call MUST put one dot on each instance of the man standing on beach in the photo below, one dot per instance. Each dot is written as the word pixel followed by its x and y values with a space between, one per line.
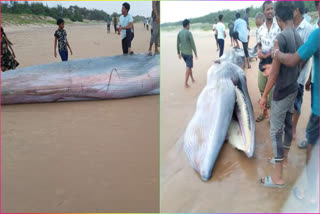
pixel 266 36
pixel 231 26
pixel 108 20
pixel 221 32
pixel 126 29
pixel 241 33
pixel 214 26
pixel 246 18
pixel 155 32
pixel 61 36
pixel 185 46
pixel 304 29
pixel 284 80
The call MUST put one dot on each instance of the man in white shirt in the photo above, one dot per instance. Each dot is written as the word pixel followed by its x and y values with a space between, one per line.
pixel 126 29
pixel 221 34
pixel 304 29
pixel 214 26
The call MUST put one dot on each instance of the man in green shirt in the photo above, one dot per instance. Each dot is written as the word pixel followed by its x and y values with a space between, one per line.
pixel 185 46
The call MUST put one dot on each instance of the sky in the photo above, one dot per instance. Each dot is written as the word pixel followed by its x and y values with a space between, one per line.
pixel 176 10
pixel 142 8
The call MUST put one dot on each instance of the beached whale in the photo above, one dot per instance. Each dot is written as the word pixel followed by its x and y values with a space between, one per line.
pixel 223 111
pixel 98 78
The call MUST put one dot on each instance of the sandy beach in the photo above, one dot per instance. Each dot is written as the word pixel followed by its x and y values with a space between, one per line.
pixel 95 156
pixel 234 186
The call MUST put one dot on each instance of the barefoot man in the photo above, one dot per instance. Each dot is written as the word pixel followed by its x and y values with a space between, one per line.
pixel 185 46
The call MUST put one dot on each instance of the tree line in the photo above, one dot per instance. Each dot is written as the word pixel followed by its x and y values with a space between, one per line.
pixel 228 14
pixel 74 13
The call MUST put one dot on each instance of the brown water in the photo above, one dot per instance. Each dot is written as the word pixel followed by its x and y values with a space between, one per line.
pixel 234 186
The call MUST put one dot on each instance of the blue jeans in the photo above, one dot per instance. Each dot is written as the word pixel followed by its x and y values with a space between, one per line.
pixel 63 55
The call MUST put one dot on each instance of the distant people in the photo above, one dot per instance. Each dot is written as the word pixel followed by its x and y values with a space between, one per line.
pixel 185 46
pixel 284 81
pixel 241 33
pixel 246 18
pixel 8 60
pixel 155 29
pixel 266 36
pixel 108 20
pixel 230 27
pixel 61 36
pixel 306 16
pixel 144 22
pixel 221 31
pixel 215 32
pixel 115 23
pixel 126 29
pixel 304 29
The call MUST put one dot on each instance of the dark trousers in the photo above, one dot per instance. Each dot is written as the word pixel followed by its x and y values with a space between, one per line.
pixel 115 28
pixel 126 42
pixel 245 48
pixel 63 55
pixel 108 28
pixel 221 46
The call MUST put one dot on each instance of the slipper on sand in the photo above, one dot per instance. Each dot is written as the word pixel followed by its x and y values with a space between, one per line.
pixel 269 183
pixel 260 118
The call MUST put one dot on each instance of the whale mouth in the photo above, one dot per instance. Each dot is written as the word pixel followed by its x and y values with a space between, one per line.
pixel 239 134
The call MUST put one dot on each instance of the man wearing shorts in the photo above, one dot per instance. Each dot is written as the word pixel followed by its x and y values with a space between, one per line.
pixel 241 33
pixel 231 26
pixel 221 30
pixel 185 46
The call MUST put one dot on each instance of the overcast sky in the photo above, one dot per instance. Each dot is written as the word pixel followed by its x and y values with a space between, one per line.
pixel 172 11
pixel 142 8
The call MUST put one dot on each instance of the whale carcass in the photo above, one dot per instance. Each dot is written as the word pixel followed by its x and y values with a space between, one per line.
pixel 223 111
pixel 98 78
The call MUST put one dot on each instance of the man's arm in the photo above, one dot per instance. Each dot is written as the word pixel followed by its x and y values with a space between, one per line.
pixel 154 7
pixel 127 27
pixel 274 73
pixel 178 46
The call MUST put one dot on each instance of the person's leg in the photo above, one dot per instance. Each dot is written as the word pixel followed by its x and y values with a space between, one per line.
pixel 124 46
pixel 220 43
pixel 278 114
pixel 156 34
pixel 246 53
pixel 187 77
pixel 297 109
pixel 63 55
pixel 217 43
pixel 129 36
pixel 262 81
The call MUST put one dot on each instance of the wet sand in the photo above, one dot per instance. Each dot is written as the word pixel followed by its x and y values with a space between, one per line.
pixel 95 156
pixel 234 186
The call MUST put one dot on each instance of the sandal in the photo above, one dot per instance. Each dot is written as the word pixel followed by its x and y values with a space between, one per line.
pixel 269 183
pixel 303 144
pixel 260 118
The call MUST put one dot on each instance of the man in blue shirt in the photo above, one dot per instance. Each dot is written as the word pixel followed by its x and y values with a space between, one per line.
pixel 126 29
pixel 241 33
pixel 308 49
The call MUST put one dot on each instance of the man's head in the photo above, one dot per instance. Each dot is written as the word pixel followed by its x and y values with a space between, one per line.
pixel 268 11
pixel 186 24
pixel 60 23
pixel 221 18
pixel 284 12
pixel 125 8
pixel 247 10
pixel 238 15
pixel 298 9
pixel 260 18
